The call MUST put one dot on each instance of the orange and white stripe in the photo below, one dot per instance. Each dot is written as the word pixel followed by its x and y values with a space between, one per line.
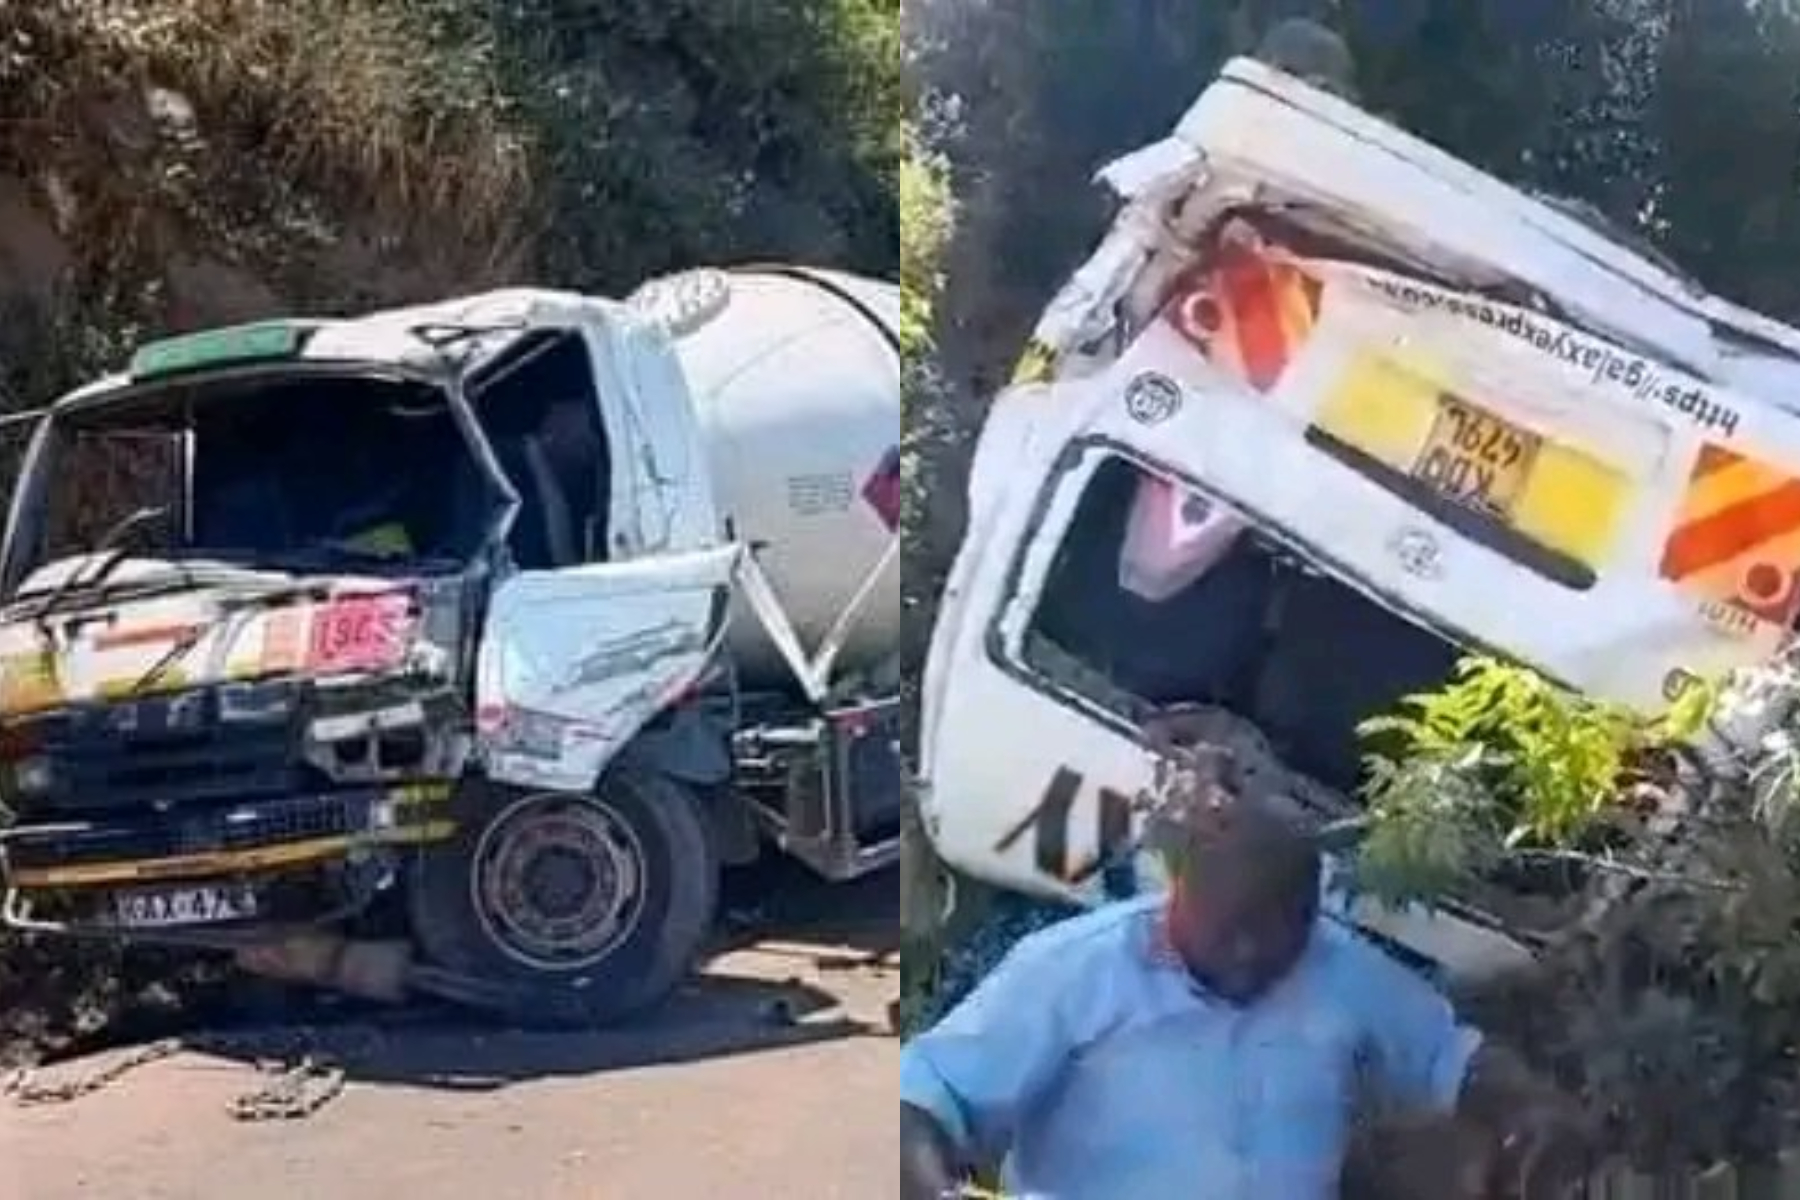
pixel 1736 536
pixel 1247 311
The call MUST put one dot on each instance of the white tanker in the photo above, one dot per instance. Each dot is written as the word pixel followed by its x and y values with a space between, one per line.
pixel 795 378
pixel 512 617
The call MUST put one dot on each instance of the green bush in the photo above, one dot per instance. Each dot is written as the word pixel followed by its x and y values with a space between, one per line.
pixel 1500 763
pixel 925 224
pixel 675 131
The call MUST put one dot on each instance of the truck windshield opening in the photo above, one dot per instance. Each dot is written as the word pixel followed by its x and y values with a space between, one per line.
pixel 291 472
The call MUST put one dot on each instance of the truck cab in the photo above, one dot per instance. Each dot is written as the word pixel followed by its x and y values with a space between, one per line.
pixel 1326 409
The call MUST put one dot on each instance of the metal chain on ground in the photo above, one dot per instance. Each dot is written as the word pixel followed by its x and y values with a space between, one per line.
pixel 27 1089
pixel 300 1077
pixel 295 1091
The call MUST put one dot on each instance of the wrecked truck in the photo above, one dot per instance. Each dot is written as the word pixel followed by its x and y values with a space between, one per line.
pixel 457 647
pixel 1325 409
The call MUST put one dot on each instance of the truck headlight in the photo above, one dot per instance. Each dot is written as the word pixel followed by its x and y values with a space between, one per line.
pixel 33 776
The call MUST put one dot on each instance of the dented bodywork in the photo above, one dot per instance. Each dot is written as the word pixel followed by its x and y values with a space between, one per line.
pixel 1325 408
pixel 289 711
pixel 502 622
pixel 645 634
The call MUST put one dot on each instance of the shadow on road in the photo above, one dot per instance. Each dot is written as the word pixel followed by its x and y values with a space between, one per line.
pixel 786 939
pixel 716 1018
pixel 783 900
pixel 797 962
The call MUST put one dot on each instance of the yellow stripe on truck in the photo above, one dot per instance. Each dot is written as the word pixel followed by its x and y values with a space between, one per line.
pixel 260 858
pixel 121 687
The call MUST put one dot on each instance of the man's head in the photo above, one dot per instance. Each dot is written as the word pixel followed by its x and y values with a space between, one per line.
pixel 1307 50
pixel 1244 889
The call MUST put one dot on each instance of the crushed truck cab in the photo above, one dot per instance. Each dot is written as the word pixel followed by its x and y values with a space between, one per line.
pixel 434 629
pixel 1326 408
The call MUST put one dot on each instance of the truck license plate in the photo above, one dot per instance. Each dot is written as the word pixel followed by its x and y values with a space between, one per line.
pixel 203 905
pixel 1475 459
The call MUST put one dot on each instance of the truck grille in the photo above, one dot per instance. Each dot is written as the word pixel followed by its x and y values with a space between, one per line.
pixel 209 831
pixel 234 741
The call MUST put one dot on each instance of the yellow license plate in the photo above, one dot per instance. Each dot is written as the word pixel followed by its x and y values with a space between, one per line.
pixel 1475 459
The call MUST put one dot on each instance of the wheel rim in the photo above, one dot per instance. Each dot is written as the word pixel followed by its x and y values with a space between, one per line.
pixel 558 881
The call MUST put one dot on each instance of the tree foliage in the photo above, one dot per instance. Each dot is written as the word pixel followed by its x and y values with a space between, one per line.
pixel 1667 855
pixel 1499 759
pixel 671 132
pixel 339 154
pixel 927 218
pixel 925 221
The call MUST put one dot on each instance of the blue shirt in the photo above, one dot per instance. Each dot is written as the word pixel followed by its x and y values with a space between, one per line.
pixel 1094 1065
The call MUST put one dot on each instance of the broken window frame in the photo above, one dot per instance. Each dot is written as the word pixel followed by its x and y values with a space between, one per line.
pixel 1048 525
pixel 521 353
pixel 1046 529
pixel 28 509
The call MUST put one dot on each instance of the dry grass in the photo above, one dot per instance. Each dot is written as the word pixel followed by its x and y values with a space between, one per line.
pixel 352 97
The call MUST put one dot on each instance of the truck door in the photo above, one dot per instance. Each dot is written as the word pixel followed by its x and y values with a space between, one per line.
pixel 574 662
pixel 1030 783
pixel 662 485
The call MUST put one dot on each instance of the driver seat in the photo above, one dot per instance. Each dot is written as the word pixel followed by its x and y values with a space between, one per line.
pixel 542 537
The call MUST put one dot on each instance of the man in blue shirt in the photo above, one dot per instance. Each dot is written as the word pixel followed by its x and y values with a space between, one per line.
pixel 1216 1045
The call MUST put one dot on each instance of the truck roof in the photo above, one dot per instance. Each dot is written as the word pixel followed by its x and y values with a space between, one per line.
pixel 460 333
pixel 1334 158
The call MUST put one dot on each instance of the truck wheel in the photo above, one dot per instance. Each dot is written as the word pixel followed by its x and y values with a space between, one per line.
pixel 584 909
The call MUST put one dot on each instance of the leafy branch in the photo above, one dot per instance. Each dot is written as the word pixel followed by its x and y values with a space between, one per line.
pixel 1502 766
pixel 925 223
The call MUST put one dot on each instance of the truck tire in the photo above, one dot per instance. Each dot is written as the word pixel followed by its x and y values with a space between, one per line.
pixel 575 910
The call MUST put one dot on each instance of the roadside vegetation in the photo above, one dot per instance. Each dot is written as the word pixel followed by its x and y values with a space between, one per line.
pixel 926 219
pixel 1657 862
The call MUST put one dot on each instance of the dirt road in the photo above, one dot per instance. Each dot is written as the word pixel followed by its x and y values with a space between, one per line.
pixel 774 1075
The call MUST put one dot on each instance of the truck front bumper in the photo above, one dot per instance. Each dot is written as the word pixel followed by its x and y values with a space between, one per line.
pixel 295 852
pixel 235 839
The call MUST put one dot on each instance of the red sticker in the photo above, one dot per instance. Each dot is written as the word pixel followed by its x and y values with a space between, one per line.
pixel 359 633
pixel 1769 591
pixel 882 491
pixel 1194 311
